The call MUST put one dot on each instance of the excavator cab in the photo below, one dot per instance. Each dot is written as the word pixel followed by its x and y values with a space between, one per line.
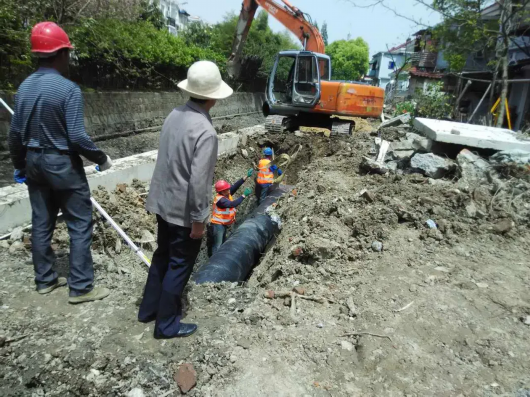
pixel 295 80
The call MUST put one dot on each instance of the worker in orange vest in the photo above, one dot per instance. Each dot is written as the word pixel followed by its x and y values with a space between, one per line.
pixel 224 211
pixel 265 177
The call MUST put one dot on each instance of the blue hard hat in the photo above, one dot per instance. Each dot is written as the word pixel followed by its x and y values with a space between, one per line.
pixel 267 151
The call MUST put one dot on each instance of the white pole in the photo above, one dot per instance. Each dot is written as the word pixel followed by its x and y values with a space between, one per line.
pixel 7 107
pixel 133 246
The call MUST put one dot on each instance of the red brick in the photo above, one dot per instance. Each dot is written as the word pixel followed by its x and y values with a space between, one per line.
pixel 186 377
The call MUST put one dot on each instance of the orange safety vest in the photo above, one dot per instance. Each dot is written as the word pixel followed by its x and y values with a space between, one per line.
pixel 265 176
pixel 223 216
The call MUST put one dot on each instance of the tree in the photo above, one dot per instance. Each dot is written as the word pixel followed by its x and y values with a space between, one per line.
pixel 349 58
pixel 464 31
pixel 325 33
pixel 150 12
pixel 262 21
pixel 316 26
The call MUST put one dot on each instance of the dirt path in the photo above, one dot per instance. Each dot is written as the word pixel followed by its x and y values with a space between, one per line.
pixel 431 314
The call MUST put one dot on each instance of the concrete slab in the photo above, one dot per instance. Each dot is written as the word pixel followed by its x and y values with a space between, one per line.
pixel 471 135
pixel 15 209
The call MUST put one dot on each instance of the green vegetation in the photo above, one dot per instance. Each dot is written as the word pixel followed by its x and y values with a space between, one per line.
pixel 349 59
pixel 125 44
pixel 463 31
pixel 432 103
pixel 325 33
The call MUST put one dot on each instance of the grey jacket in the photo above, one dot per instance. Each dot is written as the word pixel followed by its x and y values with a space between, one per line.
pixel 181 187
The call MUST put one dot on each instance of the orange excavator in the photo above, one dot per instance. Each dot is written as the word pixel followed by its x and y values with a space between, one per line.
pixel 299 89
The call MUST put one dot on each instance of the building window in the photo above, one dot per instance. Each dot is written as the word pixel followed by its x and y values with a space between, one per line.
pixel 391 65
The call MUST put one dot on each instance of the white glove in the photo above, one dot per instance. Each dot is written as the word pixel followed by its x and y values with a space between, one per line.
pixel 106 165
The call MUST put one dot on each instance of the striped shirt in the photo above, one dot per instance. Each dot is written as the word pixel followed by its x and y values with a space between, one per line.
pixel 49 114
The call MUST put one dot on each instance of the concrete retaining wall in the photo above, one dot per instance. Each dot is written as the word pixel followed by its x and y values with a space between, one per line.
pixel 110 113
pixel 15 209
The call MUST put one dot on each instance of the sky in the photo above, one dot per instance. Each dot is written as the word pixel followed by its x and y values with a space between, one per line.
pixel 378 26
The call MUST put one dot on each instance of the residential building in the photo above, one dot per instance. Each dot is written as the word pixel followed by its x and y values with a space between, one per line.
pixel 384 64
pixel 177 18
pixel 479 67
pixel 427 64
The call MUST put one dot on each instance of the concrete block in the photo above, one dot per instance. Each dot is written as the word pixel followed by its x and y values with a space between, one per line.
pixel 402 119
pixel 518 157
pixel 228 143
pixel 471 135
pixel 431 165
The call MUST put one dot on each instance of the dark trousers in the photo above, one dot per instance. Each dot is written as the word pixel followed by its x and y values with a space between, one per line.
pixel 59 182
pixel 169 273
pixel 262 191
pixel 216 237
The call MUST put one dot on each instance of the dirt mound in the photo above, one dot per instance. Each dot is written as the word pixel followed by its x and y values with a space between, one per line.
pixel 358 295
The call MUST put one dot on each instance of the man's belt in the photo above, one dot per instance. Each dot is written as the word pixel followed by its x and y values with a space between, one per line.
pixel 50 151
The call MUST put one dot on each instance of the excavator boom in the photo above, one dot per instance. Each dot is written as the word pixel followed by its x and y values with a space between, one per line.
pixel 287 14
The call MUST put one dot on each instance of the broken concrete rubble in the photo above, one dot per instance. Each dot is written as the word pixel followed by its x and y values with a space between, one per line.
pixel 519 157
pixel 471 135
pixel 402 154
pixel 402 119
pixel 473 169
pixel 373 167
pixel 431 165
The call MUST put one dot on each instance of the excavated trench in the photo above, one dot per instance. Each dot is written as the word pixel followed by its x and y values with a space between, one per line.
pixel 257 234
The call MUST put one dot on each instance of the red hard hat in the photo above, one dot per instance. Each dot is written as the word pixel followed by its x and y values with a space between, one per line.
pixel 221 185
pixel 47 37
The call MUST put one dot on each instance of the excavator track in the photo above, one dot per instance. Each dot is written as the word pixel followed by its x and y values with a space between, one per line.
pixel 275 124
pixel 341 128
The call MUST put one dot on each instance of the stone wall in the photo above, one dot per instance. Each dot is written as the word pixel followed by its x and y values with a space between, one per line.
pixel 111 113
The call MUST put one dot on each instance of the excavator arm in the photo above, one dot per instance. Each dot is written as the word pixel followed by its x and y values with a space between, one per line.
pixel 287 14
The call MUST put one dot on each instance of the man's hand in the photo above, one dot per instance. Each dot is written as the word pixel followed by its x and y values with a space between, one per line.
pixel 247 192
pixel 19 176
pixel 249 174
pixel 105 166
pixel 197 230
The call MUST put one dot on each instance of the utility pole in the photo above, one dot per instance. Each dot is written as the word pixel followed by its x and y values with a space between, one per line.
pixel 502 53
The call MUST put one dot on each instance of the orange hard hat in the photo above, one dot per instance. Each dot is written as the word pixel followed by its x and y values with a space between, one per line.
pixel 48 37
pixel 221 185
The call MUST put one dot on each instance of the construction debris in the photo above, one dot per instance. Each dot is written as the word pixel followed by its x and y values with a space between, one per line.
pixel 519 157
pixel 431 165
pixel 281 329
pixel 402 119
pixel 474 169
pixel 470 135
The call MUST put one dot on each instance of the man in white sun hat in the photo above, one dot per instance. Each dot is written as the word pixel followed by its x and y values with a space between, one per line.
pixel 180 195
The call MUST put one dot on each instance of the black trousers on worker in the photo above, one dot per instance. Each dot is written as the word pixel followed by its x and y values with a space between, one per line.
pixel 58 181
pixel 168 275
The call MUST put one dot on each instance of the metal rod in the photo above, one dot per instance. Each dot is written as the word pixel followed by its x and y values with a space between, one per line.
pixel 498 81
pixel 457 103
pixel 100 209
pixel 7 107
pixel 133 246
pixel 480 103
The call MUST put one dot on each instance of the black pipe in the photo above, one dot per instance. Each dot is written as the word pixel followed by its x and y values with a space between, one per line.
pixel 234 260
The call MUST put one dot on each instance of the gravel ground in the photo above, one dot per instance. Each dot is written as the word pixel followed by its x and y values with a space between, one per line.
pixel 383 305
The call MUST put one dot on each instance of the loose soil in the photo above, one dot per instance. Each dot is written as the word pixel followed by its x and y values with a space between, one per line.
pixel 426 312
